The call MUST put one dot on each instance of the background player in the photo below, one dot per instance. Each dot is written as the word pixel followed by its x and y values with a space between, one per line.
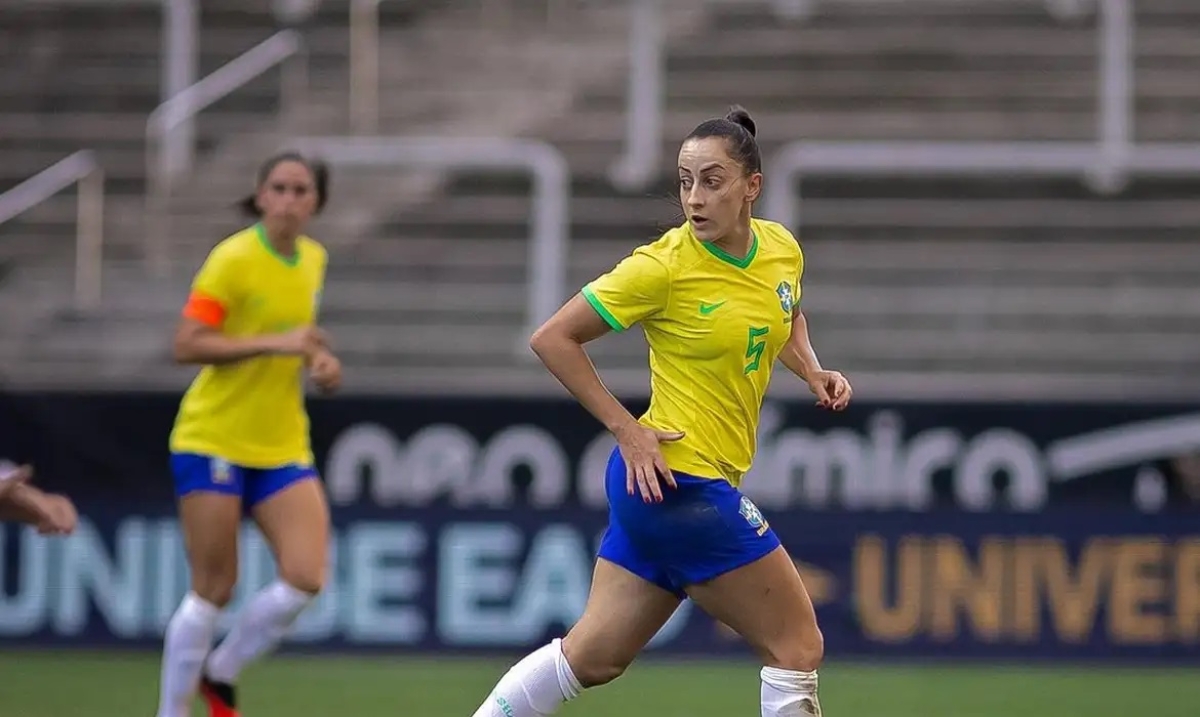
pixel 718 301
pixel 241 438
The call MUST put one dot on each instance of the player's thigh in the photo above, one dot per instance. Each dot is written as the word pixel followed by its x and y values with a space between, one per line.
pixel 767 604
pixel 623 613
pixel 208 491
pixel 290 509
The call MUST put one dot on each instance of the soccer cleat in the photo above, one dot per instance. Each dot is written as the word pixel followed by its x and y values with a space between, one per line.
pixel 220 697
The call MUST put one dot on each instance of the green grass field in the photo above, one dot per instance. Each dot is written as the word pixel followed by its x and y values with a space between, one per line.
pixel 52 684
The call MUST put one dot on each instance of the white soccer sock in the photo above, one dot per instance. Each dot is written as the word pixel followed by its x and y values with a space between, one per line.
pixel 789 693
pixel 260 627
pixel 534 687
pixel 187 641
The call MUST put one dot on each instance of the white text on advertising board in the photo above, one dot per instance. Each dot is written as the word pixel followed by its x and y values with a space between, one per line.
pixel 876 469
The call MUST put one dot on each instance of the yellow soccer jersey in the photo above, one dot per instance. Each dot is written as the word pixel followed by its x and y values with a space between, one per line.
pixel 251 412
pixel 715 325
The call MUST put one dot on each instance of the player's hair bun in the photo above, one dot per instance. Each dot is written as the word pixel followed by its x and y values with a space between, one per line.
pixel 739 116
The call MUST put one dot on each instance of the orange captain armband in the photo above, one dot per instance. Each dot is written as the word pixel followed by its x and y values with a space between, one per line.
pixel 205 309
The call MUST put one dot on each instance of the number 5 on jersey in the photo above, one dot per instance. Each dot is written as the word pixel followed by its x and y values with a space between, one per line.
pixel 755 345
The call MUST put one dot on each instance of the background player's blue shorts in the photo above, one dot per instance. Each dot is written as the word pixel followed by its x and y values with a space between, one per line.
pixel 195 472
pixel 703 529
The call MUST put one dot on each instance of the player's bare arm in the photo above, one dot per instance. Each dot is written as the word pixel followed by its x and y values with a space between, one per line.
pixel 198 343
pixel 830 387
pixel 21 504
pixel 11 477
pixel 559 344
pixel 52 514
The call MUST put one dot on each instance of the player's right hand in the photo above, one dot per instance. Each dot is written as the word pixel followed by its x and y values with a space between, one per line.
pixel 644 462
pixel 326 371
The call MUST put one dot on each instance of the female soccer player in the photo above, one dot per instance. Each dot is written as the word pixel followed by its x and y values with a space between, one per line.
pixel 718 301
pixel 240 441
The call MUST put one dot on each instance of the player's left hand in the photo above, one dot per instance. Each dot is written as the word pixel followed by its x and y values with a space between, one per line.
pixel 58 515
pixel 326 371
pixel 831 389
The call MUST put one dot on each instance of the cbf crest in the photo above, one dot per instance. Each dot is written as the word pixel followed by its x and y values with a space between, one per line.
pixel 222 472
pixel 786 300
pixel 753 515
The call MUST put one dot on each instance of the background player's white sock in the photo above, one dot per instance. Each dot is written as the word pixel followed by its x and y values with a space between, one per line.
pixel 188 638
pixel 260 626
pixel 534 687
pixel 789 693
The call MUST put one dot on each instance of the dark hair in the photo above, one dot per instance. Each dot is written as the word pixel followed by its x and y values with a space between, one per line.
pixel 738 129
pixel 320 174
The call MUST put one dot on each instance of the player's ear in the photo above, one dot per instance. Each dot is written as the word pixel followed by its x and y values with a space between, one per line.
pixel 754 186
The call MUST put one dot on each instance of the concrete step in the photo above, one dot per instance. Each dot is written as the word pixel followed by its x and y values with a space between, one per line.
pixel 591 136
pixel 985 215
pixel 908 348
pixel 907 34
pixel 1134 308
pixel 621 212
pixel 603 123
pixel 992 85
pixel 1072 254
pixel 1136 256
pixel 120 128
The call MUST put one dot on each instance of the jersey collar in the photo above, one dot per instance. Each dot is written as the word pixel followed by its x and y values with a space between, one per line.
pixel 261 231
pixel 728 258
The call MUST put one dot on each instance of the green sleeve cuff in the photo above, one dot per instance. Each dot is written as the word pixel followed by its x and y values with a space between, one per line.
pixel 600 309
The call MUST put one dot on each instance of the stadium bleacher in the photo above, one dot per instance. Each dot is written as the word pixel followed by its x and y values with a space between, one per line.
pixel 998 285
pixel 93 82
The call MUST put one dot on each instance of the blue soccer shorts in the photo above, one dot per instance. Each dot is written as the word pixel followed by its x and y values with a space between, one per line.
pixel 194 472
pixel 702 529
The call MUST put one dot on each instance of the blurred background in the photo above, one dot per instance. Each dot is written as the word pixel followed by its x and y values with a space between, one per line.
pixel 997 200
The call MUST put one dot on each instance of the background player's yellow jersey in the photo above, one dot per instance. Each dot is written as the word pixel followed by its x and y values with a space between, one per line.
pixel 715 325
pixel 252 412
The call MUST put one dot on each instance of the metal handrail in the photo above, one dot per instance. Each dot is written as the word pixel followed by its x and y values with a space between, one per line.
pixel 550 224
pixel 1106 164
pixel 169 155
pixel 364 51
pixel 364 66
pixel 181 54
pixel 1085 160
pixel 82 168
pixel 1115 110
pixel 641 158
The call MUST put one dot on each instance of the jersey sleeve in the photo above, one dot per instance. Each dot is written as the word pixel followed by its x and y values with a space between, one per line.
pixel 637 288
pixel 214 290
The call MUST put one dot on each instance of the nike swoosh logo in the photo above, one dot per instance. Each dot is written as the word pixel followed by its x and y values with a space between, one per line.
pixel 706 309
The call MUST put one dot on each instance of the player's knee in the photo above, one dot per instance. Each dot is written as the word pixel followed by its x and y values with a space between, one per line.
pixel 596 671
pixel 214 586
pixel 592 666
pixel 804 654
pixel 306 576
